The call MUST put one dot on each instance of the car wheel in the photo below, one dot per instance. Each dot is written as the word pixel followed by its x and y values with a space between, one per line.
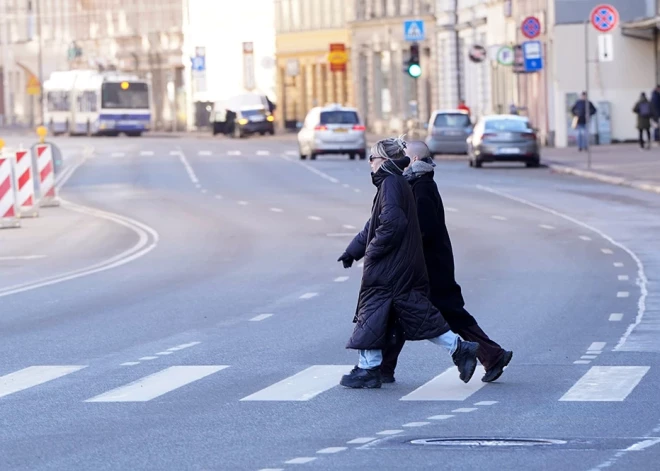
pixel 303 157
pixel 363 155
pixel 533 164
pixel 312 156
pixel 352 156
pixel 477 163
pixel 471 163
pixel 271 132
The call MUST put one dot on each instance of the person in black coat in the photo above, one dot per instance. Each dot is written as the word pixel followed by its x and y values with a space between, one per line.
pixel 439 257
pixel 394 292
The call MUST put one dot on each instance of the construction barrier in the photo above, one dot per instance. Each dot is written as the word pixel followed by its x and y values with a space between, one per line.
pixel 27 204
pixel 9 215
pixel 47 190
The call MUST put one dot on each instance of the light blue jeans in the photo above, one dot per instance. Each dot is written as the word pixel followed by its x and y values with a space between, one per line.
pixel 372 358
pixel 582 136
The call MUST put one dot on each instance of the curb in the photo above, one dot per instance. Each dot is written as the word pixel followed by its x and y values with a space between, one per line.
pixel 601 177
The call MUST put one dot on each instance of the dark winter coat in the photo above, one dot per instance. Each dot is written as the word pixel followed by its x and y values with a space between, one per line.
pixel 580 110
pixel 655 101
pixel 643 120
pixel 394 281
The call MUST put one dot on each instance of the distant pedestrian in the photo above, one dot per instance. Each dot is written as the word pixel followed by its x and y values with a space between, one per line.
pixel 439 257
pixel 394 291
pixel 579 112
pixel 644 111
pixel 655 102
pixel 463 107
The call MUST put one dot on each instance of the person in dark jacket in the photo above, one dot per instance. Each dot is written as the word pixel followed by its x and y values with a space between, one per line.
pixel 439 257
pixel 655 101
pixel 579 111
pixel 644 111
pixel 394 292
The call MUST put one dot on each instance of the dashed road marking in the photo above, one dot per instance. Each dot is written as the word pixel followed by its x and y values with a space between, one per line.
pixel 440 417
pixel 546 226
pixel 583 237
pixel 175 152
pixel 465 409
pixel 341 279
pixel 357 190
pixel 204 191
pixel 416 424
pixel 130 363
pixel 499 218
pixel 218 197
pixel 581 362
pixel 618 264
pixel 332 449
pixel 622 294
pixel 117 154
pixel 164 353
pixel 346 185
pixel 242 203
pixel 183 346
pixel 261 317
pixel 607 251
pixel 361 440
pixel 308 295
pixel 147 358
pixel 291 152
pixel 234 152
pixel 301 460
pixel 616 317
pixel 389 432
pixel 348 226
pixel 146 153
pixel 205 152
pixel 276 210
pixel 314 218
pixel 485 403
pixel 596 346
pixel 623 277
pixel 263 152
pixel 451 210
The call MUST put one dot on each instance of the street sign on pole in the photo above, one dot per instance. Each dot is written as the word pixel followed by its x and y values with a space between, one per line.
pixel 531 27
pixel 248 66
pixel 413 30
pixel 605 48
pixel 533 56
pixel 604 18
pixel 505 55
pixel 33 86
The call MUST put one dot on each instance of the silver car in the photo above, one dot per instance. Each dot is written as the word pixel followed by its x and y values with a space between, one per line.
pixel 332 129
pixel 503 138
pixel 447 132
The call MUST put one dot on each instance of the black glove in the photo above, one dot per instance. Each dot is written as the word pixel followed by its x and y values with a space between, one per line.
pixel 346 259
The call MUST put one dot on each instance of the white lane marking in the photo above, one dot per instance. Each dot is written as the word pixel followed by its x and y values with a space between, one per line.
pixel 341 279
pixel 596 346
pixel 581 362
pixel 314 170
pixel 606 384
pixel 416 424
pixel 276 210
pixel 588 357
pixel 465 409
pixel 485 403
pixel 618 264
pixel 157 384
pixel 218 197
pixel 348 226
pixel 545 226
pixel 164 353
pixel 242 203
pixel 308 295
pixel 607 251
pixel 33 376
pixel 587 238
pixel 622 294
pixel 440 417
pixel 147 358
pixel 205 152
pixel 445 387
pixel 188 167
pixel 304 385
pixel 314 218
pixel 117 154
pixel 174 152
pixel 451 210
pixel 301 460
pixel 616 317
pixel 204 191
pixel 341 234
pixel 389 432
pixel 130 363
pixel 357 190
pixel 21 257
pixel 260 317
pixel 183 346
pixel 361 440
pixel 642 280
pixel 623 277
pixel 346 185
pixel 291 152
pixel 332 449
pixel 499 218
pixel 263 152
pixel 198 185
pixel 147 241
pixel 643 444
pixel 147 153
pixel 234 152
pixel 594 352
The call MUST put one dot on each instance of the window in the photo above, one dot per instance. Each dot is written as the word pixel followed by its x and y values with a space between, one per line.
pixel 361 9
pixel 87 102
pixel 451 120
pixel 58 101
pixel 507 125
pixel 285 16
pixel 296 24
pixel 136 96
pixel 339 117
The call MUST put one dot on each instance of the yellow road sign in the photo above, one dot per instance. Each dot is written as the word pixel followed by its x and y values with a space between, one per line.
pixel 33 85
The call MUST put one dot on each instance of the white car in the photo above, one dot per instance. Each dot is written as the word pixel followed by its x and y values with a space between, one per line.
pixel 332 129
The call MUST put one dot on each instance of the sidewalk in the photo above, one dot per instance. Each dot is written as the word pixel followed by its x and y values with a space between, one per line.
pixel 618 164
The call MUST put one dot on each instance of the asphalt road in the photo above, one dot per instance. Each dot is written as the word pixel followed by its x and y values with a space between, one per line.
pixel 212 338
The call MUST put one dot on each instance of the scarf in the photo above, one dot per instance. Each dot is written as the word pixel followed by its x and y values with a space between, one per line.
pixel 417 169
pixel 389 167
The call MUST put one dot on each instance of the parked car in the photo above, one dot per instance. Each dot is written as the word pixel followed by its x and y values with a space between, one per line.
pixel 447 132
pixel 503 138
pixel 332 129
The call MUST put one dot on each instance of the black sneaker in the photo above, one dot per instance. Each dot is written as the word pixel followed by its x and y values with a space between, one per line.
pixel 496 371
pixel 465 358
pixel 360 378
pixel 387 378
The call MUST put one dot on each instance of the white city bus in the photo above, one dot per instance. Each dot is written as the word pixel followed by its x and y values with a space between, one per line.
pixel 97 103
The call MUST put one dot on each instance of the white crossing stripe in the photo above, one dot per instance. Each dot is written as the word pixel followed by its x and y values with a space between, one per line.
pixel 234 152
pixel 616 317
pixel 301 460
pixel 440 417
pixel 485 403
pixel 175 152
pixel 261 317
pixel 389 432
pixel 361 440
pixel 308 295
pixel 596 346
pixel 263 152
pixel 606 384
pixel 445 387
pixel 416 424
pixel 546 226
pixel 332 449
pixel 465 410
pixel 291 152
pixel 341 279
pixel 147 153
pixel 117 154
pixel 623 277
pixel 302 386
pixel 618 264
pixel 622 294
pixel 585 238
pixel 499 218
pixel 157 384
pixel 130 363
pixel 205 152
pixel 33 376
pixel 606 251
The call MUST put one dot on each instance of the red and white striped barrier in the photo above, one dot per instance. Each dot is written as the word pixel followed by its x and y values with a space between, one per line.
pixel 8 207
pixel 27 205
pixel 46 169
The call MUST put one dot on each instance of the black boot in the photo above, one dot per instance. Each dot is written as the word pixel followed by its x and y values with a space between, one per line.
pixel 497 369
pixel 360 378
pixel 465 358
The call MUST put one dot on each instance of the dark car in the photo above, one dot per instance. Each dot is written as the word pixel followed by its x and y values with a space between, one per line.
pixel 503 138
pixel 242 115
pixel 252 121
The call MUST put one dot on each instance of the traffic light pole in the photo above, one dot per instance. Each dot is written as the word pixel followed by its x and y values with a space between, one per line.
pixel 41 64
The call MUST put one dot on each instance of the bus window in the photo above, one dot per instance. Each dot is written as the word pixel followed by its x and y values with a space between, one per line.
pixel 135 96
pixel 87 102
pixel 57 101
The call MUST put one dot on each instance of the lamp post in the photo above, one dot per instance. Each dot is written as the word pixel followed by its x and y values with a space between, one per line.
pixel 41 64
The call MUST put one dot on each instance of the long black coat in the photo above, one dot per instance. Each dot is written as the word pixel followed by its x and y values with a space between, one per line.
pixel 445 292
pixel 394 280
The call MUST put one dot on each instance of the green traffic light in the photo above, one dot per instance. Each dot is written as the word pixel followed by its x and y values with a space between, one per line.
pixel 414 70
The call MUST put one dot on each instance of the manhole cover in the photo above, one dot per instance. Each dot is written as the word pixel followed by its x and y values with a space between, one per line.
pixel 479 442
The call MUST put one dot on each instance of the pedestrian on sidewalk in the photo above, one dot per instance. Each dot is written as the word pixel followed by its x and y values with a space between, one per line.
pixel 394 291
pixel 644 111
pixel 445 291
pixel 579 112
pixel 655 102
pixel 463 107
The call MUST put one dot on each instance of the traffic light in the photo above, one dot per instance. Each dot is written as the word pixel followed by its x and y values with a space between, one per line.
pixel 414 69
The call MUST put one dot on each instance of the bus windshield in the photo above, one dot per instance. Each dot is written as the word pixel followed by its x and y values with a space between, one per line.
pixel 136 96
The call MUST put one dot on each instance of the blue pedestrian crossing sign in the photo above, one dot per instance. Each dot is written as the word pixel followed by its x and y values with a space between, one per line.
pixel 413 30
pixel 198 63
pixel 532 55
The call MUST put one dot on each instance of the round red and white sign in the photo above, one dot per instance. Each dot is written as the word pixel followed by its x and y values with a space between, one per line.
pixel 604 18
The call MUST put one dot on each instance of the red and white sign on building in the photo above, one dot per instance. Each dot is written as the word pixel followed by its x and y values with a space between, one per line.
pixel 48 196
pixel 9 216
pixel 604 18
pixel 27 206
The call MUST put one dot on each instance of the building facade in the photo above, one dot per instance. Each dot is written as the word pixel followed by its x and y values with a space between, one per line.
pixel 305 29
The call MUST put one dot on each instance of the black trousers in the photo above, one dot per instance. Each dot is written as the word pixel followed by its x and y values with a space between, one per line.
pixel 489 351
pixel 641 137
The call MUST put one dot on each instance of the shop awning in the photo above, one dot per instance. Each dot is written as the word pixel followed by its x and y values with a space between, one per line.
pixel 643 29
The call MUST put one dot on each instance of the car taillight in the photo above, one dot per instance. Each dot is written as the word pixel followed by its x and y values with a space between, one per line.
pixel 320 127
pixel 488 135
pixel 359 127
pixel 530 136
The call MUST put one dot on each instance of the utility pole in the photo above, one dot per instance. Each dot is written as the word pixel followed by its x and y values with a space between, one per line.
pixel 41 64
pixel 4 40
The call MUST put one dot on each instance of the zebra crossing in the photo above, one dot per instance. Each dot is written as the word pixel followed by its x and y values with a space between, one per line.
pixel 598 384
